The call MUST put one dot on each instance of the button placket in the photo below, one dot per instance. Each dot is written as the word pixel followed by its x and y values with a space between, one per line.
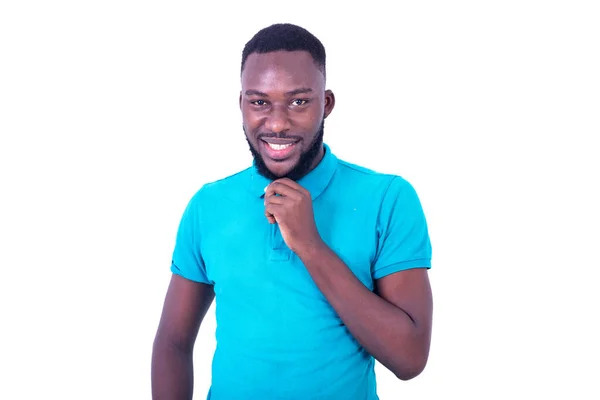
pixel 279 250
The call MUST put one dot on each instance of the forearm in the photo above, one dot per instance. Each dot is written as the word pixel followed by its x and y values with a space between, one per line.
pixel 386 331
pixel 172 372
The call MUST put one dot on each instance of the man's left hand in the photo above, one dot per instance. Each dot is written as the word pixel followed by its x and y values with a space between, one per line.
pixel 290 206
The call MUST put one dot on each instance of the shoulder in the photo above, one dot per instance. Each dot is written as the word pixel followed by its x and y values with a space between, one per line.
pixel 367 179
pixel 221 189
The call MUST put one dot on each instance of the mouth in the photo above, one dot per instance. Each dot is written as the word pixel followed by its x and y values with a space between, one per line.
pixel 279 149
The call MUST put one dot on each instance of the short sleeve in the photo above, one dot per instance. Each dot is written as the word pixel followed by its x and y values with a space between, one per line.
pixel 187 259
pixel 403 237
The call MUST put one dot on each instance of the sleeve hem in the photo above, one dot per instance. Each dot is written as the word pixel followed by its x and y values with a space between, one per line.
pixel 199 279
pixel 402 266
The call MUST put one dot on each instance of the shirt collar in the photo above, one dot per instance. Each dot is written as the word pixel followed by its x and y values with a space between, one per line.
pixel 315 181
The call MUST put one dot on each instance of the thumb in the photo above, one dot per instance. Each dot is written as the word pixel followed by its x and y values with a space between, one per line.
pixel 270 217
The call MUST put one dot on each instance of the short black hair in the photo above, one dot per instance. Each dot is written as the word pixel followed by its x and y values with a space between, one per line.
pixel 285 37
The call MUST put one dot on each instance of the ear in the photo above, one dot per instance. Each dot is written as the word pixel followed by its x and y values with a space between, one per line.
pixel 329 103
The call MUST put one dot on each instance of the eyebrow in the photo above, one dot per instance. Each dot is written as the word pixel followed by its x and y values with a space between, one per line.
pixel 252 92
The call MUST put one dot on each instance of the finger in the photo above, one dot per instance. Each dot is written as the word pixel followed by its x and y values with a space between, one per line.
pixel 282 189
pixel 273 199
pixel 274 211
pixel 293 184
pixel 288 182
pixel 270 218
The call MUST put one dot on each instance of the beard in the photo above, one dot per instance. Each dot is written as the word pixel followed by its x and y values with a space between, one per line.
pixel 303 166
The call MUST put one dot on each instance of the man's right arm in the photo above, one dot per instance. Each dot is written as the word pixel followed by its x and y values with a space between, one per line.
pixel 185 306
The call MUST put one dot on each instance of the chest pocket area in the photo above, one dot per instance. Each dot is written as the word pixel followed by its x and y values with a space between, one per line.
pixel 351 234
pixel 234 251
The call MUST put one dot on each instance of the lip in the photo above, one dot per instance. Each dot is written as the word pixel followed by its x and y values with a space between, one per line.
pixel 279 155
pixel 279 141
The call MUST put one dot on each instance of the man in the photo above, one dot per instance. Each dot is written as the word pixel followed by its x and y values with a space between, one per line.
pixel 318 266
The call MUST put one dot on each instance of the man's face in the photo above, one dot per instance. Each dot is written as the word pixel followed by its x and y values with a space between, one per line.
pixel 284 104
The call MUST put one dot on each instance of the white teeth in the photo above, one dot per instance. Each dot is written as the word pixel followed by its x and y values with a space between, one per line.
pixel 279 146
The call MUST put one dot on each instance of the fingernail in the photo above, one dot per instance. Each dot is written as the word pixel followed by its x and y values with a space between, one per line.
pixel 266 188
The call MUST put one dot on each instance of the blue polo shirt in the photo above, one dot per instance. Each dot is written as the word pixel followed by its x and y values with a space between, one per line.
pixel 277 336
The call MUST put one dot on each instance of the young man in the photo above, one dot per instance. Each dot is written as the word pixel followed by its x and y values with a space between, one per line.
pixel 318 266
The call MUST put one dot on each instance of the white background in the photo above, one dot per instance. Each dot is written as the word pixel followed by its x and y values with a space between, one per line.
pixel 113 113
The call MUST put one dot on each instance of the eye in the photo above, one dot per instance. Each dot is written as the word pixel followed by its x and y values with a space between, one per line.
pixel 299 102
pixel 258 102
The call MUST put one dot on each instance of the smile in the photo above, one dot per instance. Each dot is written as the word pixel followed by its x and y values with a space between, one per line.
pixel 278 149
pixel 279 146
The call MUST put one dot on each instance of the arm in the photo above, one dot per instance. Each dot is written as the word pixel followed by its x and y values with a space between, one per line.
pixel 188 298
pixel 185 306
pixel 393 324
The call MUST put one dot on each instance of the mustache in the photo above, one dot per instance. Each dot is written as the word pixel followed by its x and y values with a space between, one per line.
pixel 272 135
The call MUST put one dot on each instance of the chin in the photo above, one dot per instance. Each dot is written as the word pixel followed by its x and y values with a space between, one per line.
pixel 280 172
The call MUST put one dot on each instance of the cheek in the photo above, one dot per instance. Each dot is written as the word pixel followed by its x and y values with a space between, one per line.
pixel 251 119
pixel 304 119
pixel 313 122
pixel 315 114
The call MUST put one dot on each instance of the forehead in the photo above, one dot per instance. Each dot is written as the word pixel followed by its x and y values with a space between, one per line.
pixel 281 69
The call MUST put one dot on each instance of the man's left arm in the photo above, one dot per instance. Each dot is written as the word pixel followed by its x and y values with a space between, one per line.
pixel 393 323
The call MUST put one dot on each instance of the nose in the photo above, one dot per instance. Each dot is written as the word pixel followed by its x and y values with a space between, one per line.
pixel 277 120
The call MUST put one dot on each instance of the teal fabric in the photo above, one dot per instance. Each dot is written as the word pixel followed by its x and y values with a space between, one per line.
pixel 277 336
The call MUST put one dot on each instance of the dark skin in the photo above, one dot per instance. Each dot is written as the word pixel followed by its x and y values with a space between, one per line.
pixel 185 306
pixel 393 323
pixel 283 97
